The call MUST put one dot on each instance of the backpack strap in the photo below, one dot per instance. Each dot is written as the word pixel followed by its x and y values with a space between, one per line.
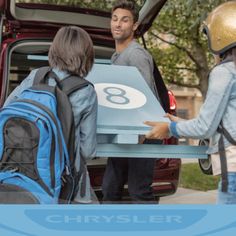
pixel 227 135
pixel 160 84
pixel 223 162
pixel 161 88
pixel 73 83
pixel 67 86
pixel 43 74
pixel 64 89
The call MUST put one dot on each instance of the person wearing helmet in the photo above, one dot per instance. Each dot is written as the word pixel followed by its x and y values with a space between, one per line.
pixel 216 119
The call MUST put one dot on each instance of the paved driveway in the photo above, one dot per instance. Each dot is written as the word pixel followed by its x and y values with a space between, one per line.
pixel 189 196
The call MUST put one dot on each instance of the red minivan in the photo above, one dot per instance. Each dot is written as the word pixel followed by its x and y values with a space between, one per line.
pixel 27 29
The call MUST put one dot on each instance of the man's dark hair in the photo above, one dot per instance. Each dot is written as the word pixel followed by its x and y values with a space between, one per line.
pixel 127 5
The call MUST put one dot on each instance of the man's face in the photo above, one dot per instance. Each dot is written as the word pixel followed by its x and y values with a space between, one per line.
pixel 122 24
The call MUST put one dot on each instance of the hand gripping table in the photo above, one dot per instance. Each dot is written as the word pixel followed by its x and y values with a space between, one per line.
pixel 125 101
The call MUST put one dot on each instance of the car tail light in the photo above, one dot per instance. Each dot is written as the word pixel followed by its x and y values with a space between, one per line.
pixel 173 103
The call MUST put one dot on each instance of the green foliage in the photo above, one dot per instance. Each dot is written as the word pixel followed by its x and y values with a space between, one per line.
pixel 192 177
pixel 105 5
pixel 177 42
pixel 97 4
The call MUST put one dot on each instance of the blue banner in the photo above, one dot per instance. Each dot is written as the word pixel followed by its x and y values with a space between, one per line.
pixel 70 220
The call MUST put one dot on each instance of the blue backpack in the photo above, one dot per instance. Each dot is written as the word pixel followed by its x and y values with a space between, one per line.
pixel 37 143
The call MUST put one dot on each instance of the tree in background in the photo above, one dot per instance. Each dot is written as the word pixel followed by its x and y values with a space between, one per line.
pixel 178 44
pixel 96 4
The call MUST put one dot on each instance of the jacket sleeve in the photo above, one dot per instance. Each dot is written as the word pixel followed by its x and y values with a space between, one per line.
pixel 84 105
pixel 213 109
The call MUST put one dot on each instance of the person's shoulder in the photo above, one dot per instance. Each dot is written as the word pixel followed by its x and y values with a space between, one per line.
pixel 33 72
pixel 86 91
pixel 224 72
pixel 137 46
pixel 224 68
pixel 30 77
pixel 137 50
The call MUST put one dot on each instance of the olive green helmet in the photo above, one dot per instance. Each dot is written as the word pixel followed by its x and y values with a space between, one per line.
pixel 220 27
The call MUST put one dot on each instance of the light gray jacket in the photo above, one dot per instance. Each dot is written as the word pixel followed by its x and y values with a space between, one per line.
pixel 220 104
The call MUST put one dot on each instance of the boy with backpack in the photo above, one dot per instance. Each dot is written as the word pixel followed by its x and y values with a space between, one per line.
pixel 52 168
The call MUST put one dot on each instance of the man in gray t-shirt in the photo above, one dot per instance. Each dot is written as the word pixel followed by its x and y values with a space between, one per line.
pixel 138 172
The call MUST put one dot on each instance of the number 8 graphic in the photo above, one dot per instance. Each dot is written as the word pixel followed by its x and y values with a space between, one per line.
pixel 116 95
pixel 119 96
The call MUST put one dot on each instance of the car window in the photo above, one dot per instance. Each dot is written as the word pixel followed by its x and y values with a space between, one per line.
pixel 28 55
pixel 23 59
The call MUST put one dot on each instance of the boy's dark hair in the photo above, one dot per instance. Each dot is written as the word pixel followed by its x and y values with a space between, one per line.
pixel 72 51
pixel 127 5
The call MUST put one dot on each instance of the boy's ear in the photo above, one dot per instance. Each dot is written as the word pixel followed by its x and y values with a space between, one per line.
pixel 135 26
